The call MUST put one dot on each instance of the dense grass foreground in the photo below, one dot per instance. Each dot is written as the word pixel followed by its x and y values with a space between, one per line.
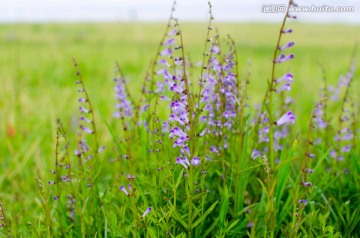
pixel 182 150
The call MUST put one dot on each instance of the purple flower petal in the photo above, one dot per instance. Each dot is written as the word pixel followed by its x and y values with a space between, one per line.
pixel 287 46
pixel 122 188
pixel 195 161
pixel 147 211
pixel 282 58
pixel 288 117
pixel 288 77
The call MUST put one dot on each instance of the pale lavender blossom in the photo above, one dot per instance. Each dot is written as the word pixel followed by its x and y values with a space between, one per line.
pixel 82 100
pixel 283 58
pixel 346 148
pixel 83 110
pixel 195 161
pixel 166 52
pixel 288 77
pixel 255 154
pixel 169 42
pixel 288 117
pixel 214 149
pixel 183 161
pixel 286 87
pixel 123 189
pixel 85 119
pixel 87 130
pixel 287 46
pixel 147 211
pixel 102 148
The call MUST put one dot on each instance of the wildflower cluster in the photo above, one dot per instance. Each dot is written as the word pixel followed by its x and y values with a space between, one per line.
pixel 188 152
pixel 278 85
pixel 345 134
pixel 87 125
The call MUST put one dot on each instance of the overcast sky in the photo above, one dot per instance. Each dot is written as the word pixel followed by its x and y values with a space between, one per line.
pixel 158 10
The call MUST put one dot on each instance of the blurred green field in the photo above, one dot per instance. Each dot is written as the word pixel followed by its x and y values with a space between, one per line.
pixel 37 78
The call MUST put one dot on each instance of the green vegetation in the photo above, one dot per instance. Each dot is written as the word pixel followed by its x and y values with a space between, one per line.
pixel 37 87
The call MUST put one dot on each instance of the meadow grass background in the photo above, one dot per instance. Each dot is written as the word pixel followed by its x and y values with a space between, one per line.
pixel 37 82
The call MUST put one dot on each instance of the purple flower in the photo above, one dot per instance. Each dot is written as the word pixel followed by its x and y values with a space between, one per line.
pixel 77 152
pixel 85 119
pixel 288 100
pixel 165 127
pixel 285 31
pixel 334 93
pixel 214 149
pixel 195 161
pixel 321 123
pixel 348 136
pixel 101 149
pixel 173 32
pixel 87 130
pixel 164 62
pixel 345 130
pixel 250 224
pixel 215 49
pixel 344 80
pixel 310 155
pixel 169 42
pixel 305 202
pixel 83 145
pixel 288 117
pixel 282 58
pixel 255 154
pixel 288 77
pixel 147 211
pixel 144 108
pixel 163 98
pixel 340 158
pixel 287 46
pixel 165 52
pixel 82 100
pixel 83 110
pixel 183 161
pixel 264 130
pixel 124 106
pixel 286 87
pixel 346 148
pixel 310 171
pixel 307 184
pixel 176 131
pixel 176 88
pixel 333 154
pixel 122 188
